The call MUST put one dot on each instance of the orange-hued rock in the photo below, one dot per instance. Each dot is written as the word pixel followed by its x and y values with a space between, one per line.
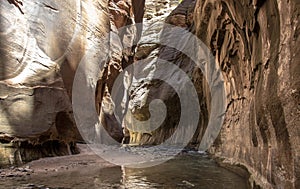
pixel 256 45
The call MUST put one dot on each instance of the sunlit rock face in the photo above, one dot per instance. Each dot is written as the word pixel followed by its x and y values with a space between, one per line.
pixel 39 54
pixel 125 29
pixel 144 90
pixel 256 46
pixel 154 125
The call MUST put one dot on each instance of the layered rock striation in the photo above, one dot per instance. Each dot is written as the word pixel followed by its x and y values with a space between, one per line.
pixel 255 44
pixel 40 51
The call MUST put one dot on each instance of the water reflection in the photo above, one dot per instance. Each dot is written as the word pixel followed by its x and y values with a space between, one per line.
pixel 188 171
pixel 185 171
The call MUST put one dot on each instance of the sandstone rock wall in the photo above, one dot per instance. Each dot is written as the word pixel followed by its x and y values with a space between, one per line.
pixel 39 53
pixel 255 44
pixel 144 89
pixel 125 31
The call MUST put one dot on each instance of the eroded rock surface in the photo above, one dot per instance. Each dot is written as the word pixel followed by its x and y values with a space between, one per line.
pixel 255 43
pixel 40 52
pixel 125 17
pixel 144 89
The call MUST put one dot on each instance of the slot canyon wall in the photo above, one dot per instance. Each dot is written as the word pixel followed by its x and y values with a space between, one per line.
pixel 42 44
pixel 38 61
pixel 255 44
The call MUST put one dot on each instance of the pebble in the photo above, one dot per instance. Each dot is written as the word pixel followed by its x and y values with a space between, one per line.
pixel 188 183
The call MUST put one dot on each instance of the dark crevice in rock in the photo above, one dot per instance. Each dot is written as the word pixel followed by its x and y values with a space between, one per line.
pixel 50 7
pixel 232 101
pixel 25 151
pixel 17 3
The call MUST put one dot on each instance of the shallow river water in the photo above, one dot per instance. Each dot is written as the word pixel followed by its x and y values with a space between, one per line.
pixel 185 171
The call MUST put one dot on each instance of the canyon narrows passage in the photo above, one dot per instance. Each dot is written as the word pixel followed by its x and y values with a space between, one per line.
pixel 254 42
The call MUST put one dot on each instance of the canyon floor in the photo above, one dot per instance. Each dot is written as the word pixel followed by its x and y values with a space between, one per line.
pixel 88 170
